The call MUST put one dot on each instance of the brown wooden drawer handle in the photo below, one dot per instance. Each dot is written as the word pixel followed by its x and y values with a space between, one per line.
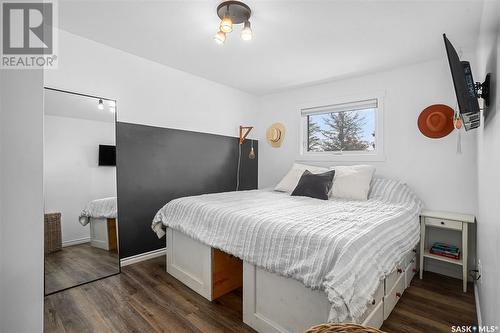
pixel 373 301
pixel 398 295
pixel 400 270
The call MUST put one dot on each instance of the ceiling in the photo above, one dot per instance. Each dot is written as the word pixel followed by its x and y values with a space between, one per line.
pixel 69 105
pixel 295 42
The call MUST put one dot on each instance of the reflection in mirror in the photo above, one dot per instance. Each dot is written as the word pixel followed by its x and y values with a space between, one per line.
pixel 81 234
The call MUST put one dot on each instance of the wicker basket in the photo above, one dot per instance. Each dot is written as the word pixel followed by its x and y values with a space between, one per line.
pixel 342 328
pixel 52 232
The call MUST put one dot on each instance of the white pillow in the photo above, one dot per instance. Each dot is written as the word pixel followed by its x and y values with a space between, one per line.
pixel 291 179
pixel 352 182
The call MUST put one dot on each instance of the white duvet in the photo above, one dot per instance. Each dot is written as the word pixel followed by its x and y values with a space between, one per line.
pixel 100 208
pixel 342 247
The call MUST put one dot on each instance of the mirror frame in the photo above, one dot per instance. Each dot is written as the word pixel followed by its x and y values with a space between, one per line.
pixel 116 184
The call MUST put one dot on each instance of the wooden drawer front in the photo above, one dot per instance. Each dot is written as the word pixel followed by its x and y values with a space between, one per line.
pixel 446 224
pixel 391 279
pixel 393 297
pixel 227 273
pixel 376 317
pixel 410 272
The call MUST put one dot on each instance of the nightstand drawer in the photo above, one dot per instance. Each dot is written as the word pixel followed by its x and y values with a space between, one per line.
pixel 441 223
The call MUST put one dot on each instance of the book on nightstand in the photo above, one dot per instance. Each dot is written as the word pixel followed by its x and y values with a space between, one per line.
pixel 445 250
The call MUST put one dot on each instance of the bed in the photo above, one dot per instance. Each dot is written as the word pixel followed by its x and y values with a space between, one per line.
pixel 304 261
pixel 101 214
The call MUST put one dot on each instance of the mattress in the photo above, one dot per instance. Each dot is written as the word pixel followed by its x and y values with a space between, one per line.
pixel 342 247
pixel 99 208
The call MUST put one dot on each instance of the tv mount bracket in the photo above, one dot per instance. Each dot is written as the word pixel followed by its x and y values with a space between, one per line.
pixel 483 90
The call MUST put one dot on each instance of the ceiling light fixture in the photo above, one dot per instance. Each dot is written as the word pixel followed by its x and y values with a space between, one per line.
pixel 226 25
pixel 246 33
pixel 220 37
pixel 100 105
pixel 233 12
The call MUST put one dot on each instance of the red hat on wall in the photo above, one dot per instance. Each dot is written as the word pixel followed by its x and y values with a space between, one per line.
pixel 436 121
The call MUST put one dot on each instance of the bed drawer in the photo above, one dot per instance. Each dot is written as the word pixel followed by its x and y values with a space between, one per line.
pixel 391 279
pixel 410 271
pixel 409 257
pixel 378 299
pixel 393 296
pixel 376 317
pixel 446 224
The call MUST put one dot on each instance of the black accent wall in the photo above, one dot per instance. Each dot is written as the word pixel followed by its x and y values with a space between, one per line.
pixel 156 165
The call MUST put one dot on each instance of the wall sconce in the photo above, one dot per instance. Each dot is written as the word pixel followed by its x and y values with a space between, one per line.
pixel 244 131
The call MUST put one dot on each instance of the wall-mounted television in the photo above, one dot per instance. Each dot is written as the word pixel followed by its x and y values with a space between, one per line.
pixel 107 155
pixel 466 90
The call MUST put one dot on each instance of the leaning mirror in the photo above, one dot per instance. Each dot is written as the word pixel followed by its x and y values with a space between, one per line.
pixel 81 231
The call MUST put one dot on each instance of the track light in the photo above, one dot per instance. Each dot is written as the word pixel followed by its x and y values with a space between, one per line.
pixel 246 33
pixel 100 105
pixel 220 37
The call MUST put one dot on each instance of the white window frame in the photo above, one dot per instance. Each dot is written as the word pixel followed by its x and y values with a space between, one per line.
pixel 346 156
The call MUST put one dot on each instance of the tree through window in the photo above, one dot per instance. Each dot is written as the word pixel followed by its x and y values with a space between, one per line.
pixel 341 129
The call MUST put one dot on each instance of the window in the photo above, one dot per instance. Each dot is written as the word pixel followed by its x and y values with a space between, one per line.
pixel 350 129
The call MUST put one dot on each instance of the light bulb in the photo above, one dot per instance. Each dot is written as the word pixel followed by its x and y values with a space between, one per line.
pixel 252 154
pixel 246 33
pixel 100 105
pixel 226 25
pixel 112 106
pixel 220 37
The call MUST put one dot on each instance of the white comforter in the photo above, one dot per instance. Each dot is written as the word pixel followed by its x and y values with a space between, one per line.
pixel 100 208
pixel 342 247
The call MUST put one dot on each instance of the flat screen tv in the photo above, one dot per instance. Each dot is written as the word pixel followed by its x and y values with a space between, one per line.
pixel 107 155
pixel 466 90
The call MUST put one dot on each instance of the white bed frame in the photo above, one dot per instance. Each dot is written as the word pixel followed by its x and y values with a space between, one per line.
pixel 99 236
pixel 275 304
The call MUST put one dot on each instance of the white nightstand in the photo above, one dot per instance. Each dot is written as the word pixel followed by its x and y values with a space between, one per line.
pixel 450 221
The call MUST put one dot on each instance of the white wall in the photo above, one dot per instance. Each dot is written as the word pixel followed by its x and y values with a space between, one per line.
pixel 443 179
pixel 72 176
pixel 21 201
pixel 488 162
pixel 147 92
pixel 431 167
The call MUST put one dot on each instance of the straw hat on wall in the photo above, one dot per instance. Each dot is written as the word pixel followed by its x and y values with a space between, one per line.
pixel 275 134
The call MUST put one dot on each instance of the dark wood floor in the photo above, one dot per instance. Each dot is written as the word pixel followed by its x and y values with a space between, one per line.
pixel 433 304
pixel 144 298
pixel 77 264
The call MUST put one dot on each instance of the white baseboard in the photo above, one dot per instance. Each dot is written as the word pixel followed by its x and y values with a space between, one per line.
pixel 75 241
pixel 143 256
pixel 478 306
